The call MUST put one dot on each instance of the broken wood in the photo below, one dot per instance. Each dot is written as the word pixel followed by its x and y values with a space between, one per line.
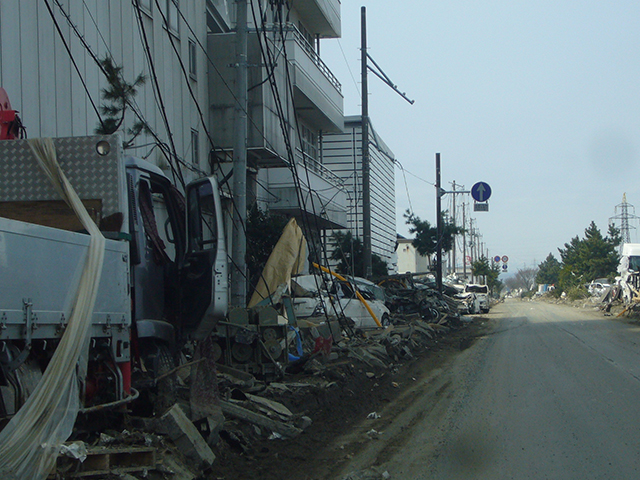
pixel 103 460
pixel 258 419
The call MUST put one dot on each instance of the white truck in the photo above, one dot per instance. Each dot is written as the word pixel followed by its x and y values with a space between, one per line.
pixel 164 279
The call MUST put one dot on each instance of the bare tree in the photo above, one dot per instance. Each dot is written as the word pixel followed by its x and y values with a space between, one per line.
pixel 524 278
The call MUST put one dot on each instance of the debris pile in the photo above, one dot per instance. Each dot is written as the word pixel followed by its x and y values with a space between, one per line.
pixel 263 376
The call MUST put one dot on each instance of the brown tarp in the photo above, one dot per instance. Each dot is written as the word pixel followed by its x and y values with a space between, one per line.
pixel 286 259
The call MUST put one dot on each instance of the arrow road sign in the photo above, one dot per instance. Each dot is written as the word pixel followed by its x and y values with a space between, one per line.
pixel 481 192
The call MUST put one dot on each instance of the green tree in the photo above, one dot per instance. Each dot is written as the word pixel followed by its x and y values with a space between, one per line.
pixel 117 96
pixel 426 235
pixel 549 271
pixel 263 232
pixel 349 252
pixel 594 256
pixel 482 268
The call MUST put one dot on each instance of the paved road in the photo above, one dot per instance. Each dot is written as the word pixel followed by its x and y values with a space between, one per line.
pixel 553 393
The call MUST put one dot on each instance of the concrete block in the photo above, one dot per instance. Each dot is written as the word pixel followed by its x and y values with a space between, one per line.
pixel 186 437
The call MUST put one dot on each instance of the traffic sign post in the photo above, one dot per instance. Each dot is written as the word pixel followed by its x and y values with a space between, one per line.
pixel 481 192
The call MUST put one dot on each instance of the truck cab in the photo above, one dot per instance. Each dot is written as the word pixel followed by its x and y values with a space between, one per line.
pixel 164 280
pixel 178 255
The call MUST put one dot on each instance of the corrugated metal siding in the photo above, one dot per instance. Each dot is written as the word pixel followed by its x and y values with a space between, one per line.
pixel 342 154
pixel 44 86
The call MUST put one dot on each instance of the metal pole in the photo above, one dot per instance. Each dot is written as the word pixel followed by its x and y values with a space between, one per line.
pixel 453 220
pixel 239 247
pixel 464 242
pixel 438 227
pixel 366 190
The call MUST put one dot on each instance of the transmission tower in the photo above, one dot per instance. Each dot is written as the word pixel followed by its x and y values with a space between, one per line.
pixel 624 213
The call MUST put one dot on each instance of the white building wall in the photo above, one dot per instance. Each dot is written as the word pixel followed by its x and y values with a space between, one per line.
pixel 342 154
pixel 42 82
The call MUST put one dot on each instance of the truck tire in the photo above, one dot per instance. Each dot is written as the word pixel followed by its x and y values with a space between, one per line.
pixel 159 361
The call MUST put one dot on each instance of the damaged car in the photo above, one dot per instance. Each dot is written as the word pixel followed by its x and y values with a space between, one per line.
pixel 320 296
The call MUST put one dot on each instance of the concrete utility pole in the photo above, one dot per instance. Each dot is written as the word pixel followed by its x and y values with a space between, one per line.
pixel 366 159
pixel 239 247
pixel 366 191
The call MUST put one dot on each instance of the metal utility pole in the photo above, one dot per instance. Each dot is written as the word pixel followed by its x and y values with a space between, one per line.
pixel 366 191
pixel 453 220
pixel 239 246
pixel 464 241
pixel 624 213
pixel 438 227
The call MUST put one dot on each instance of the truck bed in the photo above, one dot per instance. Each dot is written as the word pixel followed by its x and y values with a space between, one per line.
pixel 40 269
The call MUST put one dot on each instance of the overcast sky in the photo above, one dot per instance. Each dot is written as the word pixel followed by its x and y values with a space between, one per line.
pixel 541 100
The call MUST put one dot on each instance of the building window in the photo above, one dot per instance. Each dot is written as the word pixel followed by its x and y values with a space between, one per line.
pixel 195 148
pixel 170 11
pixel 309 142
pixel 192 59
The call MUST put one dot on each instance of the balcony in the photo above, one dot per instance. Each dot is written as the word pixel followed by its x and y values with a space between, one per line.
pixel 321 16
pixel 317 92
pixel 324 197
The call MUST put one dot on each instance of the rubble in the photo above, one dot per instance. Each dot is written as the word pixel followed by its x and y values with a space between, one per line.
pixel 186 437
pixel 228 401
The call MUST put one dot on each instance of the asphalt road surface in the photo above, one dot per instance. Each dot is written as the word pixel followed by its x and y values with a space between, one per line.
pixel 553 392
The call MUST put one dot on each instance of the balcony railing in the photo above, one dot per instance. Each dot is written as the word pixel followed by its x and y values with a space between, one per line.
pixel 319 168
pixel 313 55
pixel 302 42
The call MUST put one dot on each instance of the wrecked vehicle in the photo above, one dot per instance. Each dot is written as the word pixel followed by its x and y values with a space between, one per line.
pixel 598 287
pixel 629 270
pixel 338 298
pixel 481 293
pixel 163 280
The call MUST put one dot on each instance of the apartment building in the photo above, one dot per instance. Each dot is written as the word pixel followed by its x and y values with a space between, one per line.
pixel 293 101
pixel 49 53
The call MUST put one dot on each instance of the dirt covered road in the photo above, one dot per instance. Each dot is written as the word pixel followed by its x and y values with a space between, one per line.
pixel 356 418
pixel 550 392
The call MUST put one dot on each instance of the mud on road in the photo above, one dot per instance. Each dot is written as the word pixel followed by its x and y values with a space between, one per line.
pixel 357 416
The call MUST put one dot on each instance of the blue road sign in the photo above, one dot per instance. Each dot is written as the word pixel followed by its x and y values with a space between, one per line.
pixel 481 192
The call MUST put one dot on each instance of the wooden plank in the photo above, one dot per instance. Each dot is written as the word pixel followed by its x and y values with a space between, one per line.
pixel 103 460
pixel 239 412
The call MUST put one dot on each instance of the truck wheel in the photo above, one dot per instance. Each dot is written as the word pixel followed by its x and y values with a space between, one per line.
pixel 159 362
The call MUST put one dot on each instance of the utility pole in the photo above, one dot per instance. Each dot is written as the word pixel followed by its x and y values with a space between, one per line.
pixel 453 220
pixel 366 158
pixel 366 191
pixel 464 241
pixel 438 227
pixel 239 247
